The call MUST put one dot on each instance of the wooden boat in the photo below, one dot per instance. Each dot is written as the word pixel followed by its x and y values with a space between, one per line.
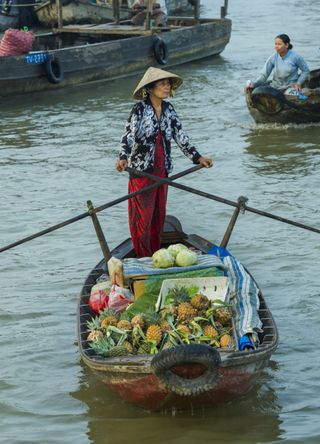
pixel 268 105
pixel 74 55
pixel 135 377
pixel 85 11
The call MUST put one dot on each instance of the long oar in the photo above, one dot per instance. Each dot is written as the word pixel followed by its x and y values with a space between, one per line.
pixel 221 199
pixel 97 209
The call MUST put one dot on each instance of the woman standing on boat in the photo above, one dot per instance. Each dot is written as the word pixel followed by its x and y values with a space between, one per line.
pixel 146 146
pixel 288 68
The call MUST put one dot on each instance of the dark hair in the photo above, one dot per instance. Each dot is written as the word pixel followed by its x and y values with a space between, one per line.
pixel 286 39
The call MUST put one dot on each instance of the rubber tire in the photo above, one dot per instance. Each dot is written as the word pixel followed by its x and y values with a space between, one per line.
pixel 163 362
pixel 276 96
pixel 160 51
pixel 54 69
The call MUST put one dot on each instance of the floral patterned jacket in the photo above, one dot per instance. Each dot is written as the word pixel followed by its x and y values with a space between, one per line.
pixel 141 130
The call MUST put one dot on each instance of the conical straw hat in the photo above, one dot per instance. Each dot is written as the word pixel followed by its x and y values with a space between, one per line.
pixel 152 75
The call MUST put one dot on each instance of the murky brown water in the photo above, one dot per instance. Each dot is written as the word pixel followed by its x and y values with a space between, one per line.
pixel 58 150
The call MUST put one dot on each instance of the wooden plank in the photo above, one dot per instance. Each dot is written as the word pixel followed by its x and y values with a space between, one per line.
pixel 119 30
pixel 111 29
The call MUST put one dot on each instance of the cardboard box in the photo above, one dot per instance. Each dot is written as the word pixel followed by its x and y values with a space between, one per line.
pixel 139 287
pixel 212 287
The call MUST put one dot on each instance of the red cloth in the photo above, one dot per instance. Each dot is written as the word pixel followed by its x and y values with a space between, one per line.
pixel 147 211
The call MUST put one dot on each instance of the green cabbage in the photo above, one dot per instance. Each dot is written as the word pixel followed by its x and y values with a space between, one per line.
pixel 185 258
pixel 174 249
pixel 162 258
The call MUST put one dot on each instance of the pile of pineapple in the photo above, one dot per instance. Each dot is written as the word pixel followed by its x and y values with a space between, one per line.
pixel 187 317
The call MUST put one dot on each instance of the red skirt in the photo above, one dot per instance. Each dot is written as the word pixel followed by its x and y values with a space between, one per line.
pixel 147 211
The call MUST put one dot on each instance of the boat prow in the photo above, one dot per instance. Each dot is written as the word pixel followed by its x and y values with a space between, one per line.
pixel 269 105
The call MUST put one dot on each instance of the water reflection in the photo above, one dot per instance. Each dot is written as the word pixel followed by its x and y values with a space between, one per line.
pixel 250 419
pixel 283 149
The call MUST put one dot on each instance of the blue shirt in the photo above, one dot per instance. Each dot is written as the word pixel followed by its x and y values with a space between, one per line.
pixel 285 70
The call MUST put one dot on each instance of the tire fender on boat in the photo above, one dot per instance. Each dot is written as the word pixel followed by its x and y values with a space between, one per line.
pixel 54 70
pixel 160 50
pixel 162 366
pixel 267 99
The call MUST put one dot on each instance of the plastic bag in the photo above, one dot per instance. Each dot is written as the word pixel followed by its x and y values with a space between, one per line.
pixel 115 269
pixel 99 296
pixel 119 298
pixel 15 42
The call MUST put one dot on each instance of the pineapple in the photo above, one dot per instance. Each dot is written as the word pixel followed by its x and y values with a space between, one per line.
pixel 223 315
pixel 128 346
pixel 210 331
pixel 137 336
pixel 94 323
pixel 200 302
pixel 154 333
pixel 183 329
pixel 94 335
pixel 102 345
pixel 186 312
pixel 178 294
pixel 124 325
pixel 144 348
pixel 165 326
pixel 225 341
pixel 138 320
pixel 109 320
pixel 168 311
pixel 118 350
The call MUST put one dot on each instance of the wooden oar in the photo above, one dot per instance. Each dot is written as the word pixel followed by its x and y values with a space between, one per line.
pixel 97 209
pixel 221 199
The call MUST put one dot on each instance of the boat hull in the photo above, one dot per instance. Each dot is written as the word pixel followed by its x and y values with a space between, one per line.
pixel 148 392
pixel 290 109
pixel 132 377
pixel 117 56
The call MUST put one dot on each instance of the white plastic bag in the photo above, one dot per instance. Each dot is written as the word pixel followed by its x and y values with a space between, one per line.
pixel 119 298
pixel 115 269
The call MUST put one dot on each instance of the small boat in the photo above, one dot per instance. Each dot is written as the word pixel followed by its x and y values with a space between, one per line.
pixel 85 11
pixel 269 105
pixel 185 375
pixel 77 54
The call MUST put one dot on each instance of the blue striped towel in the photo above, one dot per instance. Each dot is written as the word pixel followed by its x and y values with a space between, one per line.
pixel 246 301
pixel 134 267
pixel 243 294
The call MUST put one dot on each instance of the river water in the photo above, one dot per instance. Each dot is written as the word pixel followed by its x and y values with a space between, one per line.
pixel 58 150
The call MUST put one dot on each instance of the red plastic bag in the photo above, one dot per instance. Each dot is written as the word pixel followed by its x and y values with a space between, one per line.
pixel 99 298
